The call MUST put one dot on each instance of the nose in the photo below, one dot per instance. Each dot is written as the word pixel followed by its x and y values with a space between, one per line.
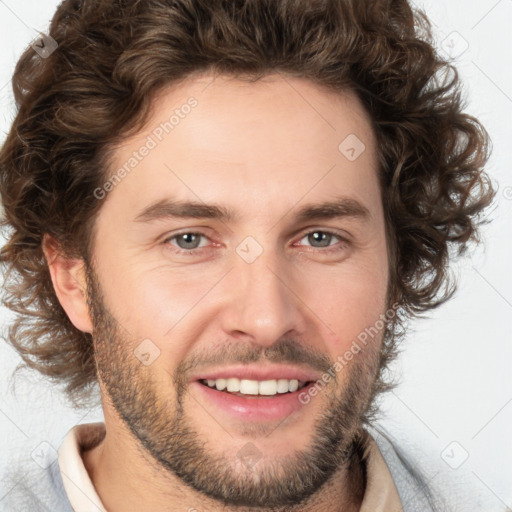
pixel 262 305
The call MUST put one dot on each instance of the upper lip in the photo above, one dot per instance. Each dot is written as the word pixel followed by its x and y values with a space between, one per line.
pixel 267 372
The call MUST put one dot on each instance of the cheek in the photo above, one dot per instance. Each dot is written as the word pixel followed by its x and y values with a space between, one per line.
pixel 166 305
pixel 348 301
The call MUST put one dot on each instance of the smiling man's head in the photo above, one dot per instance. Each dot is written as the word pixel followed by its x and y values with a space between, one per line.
pixel 267 279
pixel 222 212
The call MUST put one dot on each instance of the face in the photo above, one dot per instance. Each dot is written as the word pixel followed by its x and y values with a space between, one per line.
pixel 234 268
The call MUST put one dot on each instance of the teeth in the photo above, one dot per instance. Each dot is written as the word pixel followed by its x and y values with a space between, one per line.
pixel 294 385
pixel 249 387
pixel 255 387
pixel 283 386
pixel 233 385
pixel 268 387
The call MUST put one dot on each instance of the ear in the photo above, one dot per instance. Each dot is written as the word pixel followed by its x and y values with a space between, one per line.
pixel 68 278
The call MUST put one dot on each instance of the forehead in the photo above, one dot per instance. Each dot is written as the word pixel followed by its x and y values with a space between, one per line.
pixel 225 139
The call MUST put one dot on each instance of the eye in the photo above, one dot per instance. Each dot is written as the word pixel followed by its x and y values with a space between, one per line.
pixel 187 242
pixel 321 239
pixel 190 242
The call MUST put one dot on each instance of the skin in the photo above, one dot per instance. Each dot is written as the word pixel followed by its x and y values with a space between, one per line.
pixel 264 150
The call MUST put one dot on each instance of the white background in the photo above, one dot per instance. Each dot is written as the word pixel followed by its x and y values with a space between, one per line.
pixel 455 396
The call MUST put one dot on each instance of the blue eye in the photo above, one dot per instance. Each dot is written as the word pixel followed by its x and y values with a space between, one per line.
pixel 192 242
pixel 323 241
pixel 322 237
pixel 187 242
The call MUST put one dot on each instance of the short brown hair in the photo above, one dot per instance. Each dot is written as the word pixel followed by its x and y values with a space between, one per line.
pixel 113 56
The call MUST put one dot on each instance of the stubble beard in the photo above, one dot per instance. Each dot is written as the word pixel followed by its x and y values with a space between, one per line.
pixel 166 433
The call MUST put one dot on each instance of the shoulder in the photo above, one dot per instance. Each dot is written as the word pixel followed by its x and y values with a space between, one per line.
pixel 35 488
pixel 411 483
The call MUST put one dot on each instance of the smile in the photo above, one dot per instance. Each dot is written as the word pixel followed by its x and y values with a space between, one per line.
pixel 242 402
pixel 249 387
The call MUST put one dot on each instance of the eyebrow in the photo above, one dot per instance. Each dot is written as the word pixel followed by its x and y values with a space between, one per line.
pixel 167 208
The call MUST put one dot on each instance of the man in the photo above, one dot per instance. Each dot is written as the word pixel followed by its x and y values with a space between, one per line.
pixel 222 213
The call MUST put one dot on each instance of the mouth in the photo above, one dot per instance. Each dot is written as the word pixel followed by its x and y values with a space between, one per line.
pixel 254 395
pixel 255 388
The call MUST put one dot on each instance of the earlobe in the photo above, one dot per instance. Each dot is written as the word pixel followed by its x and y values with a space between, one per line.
pixel 68 278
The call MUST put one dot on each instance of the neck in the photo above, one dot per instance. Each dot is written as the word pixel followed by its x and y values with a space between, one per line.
pixel 126 478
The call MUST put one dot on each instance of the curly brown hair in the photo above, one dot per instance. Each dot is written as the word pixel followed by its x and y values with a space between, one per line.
pixel 113 56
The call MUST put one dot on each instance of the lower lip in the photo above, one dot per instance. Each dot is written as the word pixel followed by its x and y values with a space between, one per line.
pixel 255 407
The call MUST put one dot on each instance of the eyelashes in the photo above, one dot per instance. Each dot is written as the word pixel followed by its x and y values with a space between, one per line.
pixel 193 238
